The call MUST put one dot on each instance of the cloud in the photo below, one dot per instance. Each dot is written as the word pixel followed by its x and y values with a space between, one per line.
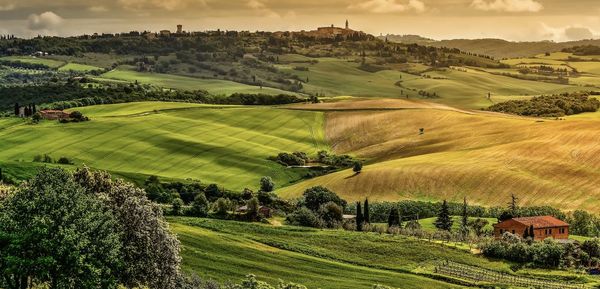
pixel 261 8
pixel 7 7
pixel 45 21
pixel 389 6
pixel 98 9
pixel 168 5
pixel 508 5
pixel 578 33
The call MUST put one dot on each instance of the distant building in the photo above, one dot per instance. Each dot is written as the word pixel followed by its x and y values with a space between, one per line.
pixel 54 114
pixel 543 227
pixel 324 32
pixel 179 29
pixel 22 111
pixel 165 33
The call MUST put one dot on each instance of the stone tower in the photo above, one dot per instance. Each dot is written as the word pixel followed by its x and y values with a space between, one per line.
pixel 347 25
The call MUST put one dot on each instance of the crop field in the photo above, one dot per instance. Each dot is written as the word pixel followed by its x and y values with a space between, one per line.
pixel 228 146
pixel 223 250
pixel 213 86
pixel 482 156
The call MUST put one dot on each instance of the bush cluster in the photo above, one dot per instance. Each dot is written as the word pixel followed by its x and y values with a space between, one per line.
pixel 549 105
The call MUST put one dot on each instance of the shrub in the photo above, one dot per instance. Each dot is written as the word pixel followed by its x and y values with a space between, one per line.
pixel 177 204
pixel 357 168
pixel 304 217
pixel 266 184
pixel 316 196
pixel 64 161
pixel 331 214
pixel 200 206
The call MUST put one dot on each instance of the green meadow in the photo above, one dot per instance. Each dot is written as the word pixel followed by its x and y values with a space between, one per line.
pixel 78 67
pixel 227 250
pixel 35 60
pixel 214 144
pixel 213 86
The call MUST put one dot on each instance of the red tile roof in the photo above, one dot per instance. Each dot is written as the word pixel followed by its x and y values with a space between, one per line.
pixel 541 222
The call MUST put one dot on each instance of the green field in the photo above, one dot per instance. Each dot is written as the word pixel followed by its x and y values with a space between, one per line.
pixel 224 250
pixel 78 67
pixel 465 89
pixel 35 60
pixel 215 144
pixel 213 86
pixel 428 224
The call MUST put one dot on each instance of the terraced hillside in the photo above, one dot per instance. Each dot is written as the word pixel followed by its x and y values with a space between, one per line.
pixel 482 156
pixel 224 145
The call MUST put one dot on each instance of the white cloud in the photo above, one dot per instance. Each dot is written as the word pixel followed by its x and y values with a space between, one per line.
pixel 508 5
pixel 389 6
pixel 45 21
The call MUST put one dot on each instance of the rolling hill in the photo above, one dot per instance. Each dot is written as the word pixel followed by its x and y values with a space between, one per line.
pixel 215 144
pixel 482 156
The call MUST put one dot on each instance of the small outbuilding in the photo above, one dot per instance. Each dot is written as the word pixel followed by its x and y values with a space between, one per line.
pixel 543 227
pixel 54 114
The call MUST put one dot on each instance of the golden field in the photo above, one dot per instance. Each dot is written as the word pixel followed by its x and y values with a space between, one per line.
pixel 483 156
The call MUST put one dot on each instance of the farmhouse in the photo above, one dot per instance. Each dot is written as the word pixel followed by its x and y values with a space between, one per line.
pixel 543 227
pixel 53 114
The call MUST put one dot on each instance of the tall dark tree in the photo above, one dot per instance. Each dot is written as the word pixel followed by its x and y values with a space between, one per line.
pixel 17 109
pixel 394 218
pixel 359 217
pixel 367 214
pixel 526 233
pixel 512 206
pixel 444 220
pixel 464 220
pixel 531 233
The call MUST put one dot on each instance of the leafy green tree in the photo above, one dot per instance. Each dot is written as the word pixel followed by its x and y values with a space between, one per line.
pixel 150 251
pixel 267 184
pixel 200 206
pixel 316 196
pixel 331 214
pixel 478 225
pixel 303 217
pixel 253 206
pixel 213 192
pixel 444 220
pixel 357 167
pixel 222 207
pixel 176 206
pixel 52 231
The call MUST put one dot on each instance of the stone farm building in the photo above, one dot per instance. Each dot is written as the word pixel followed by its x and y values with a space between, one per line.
pixel 53 114
pixel 543 227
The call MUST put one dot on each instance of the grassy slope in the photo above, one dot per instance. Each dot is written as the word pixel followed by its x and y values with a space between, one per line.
pixel 482 156
pixel 223 250
pixel 36 60
pixel 462 89
pixel 228 146
pixel 213 86
pixel 78 67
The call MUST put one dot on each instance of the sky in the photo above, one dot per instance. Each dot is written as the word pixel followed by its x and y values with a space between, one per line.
pixel 516 20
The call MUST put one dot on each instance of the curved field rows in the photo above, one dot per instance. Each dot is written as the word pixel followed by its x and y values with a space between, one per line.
pixel 485 157
pixel 228 146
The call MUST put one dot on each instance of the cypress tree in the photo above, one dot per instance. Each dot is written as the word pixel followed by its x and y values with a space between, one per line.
pixel 444 221
pixel 17 109
pixel 367 213
pixel 359 217
pixel 394 218
pixel 531 233
pixel 34 108
pixel 464 222
pixel 526 233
